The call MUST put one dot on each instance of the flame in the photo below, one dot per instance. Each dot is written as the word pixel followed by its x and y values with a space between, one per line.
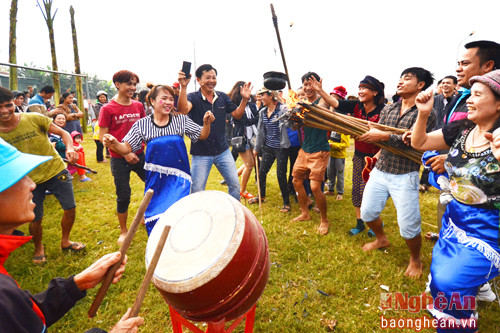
pixel 293 99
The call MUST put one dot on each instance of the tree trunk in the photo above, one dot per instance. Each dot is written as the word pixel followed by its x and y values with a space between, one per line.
pixel 49 19
pixel 78 79
pixel 12 46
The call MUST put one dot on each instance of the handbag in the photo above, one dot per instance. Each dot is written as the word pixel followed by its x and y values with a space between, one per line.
pixel 253 142
pixel 239 144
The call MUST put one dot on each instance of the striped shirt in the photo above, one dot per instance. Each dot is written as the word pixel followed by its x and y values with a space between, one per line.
pixel 145 129
pixel 272 128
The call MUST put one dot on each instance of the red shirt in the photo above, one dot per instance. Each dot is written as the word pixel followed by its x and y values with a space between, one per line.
pixel 119 119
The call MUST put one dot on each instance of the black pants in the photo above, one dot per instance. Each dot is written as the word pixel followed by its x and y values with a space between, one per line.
pixel 98 151
pixel 293 152
pixel 268 157
pixel 424 179
pixel 121 170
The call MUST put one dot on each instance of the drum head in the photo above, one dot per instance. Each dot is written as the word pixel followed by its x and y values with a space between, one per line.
pixel 206 231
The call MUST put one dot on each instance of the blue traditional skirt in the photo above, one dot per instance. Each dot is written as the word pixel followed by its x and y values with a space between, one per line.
pixel 167 173
pixel 466 256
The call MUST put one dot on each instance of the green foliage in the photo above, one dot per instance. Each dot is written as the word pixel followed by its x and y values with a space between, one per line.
pixel 304 265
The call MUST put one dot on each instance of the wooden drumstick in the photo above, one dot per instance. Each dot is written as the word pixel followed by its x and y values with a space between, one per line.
pixel 110 274
pixel 149 273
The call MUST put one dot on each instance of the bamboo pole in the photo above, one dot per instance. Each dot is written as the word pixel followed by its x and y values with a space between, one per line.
pixel 12 46
pixel 275 22
pixel 78 79
pixel 49 20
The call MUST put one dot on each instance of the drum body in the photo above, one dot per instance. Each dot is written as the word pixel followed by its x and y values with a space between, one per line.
pixel 215 262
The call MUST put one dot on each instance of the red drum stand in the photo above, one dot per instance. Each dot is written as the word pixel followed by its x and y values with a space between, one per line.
pixel 213 327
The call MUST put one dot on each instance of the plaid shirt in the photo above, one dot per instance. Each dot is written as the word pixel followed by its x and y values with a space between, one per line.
pixel 390 162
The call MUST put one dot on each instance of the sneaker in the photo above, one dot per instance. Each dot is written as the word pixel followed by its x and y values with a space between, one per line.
pixel 86 179
pixel 222 182
pixel 485 293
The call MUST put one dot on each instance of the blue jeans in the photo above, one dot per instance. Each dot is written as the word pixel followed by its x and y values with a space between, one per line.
pixel 403 189
pixel 224 162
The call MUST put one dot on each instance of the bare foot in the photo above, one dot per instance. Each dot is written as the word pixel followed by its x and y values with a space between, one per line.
pixel 376 244
pixel 323 228
pixel 414 269
pixel 121 238
pixel 302 217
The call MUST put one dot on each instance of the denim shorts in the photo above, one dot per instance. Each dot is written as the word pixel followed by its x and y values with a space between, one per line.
pixel 61 185
pixel 403 189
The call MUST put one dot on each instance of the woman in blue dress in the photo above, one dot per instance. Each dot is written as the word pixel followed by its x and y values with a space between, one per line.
pixel 467 254
pixel 167 163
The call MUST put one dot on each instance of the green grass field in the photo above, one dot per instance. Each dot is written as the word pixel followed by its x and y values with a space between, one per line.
pixel 314 280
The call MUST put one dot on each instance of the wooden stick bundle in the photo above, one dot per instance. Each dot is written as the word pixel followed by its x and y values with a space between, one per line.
pixel 319 117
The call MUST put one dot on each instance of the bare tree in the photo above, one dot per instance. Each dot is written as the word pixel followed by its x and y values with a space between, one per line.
pixel 49 19
pixel 78 79
pixel 12 46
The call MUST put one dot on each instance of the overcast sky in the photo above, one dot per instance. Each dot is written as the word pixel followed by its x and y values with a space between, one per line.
pixel 340 40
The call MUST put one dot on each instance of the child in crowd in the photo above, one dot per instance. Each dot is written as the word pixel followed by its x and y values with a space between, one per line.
pixel 77 140
pixel 338 145
pixel 335 170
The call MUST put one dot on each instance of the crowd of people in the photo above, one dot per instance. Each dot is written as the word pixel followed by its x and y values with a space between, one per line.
pixel 459 121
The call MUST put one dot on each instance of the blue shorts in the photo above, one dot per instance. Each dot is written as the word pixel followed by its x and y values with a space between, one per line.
pixel 403 189
pixel 61 185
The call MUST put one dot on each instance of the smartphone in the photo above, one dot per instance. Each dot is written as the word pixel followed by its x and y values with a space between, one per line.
pixel 186 68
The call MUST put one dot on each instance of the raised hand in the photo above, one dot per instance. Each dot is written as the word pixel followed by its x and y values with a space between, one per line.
pixel 315 84
pixel 425 101
pixel 183 80
pixel 246 90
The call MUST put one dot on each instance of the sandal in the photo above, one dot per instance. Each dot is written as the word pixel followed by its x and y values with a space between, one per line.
pixel 256 200
pixel 74 247
pixel 329 193
pixel 355 231
pixel 247 195
pixel 360 227
pixel 38 260
pixel 339 197
pixel 285 209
